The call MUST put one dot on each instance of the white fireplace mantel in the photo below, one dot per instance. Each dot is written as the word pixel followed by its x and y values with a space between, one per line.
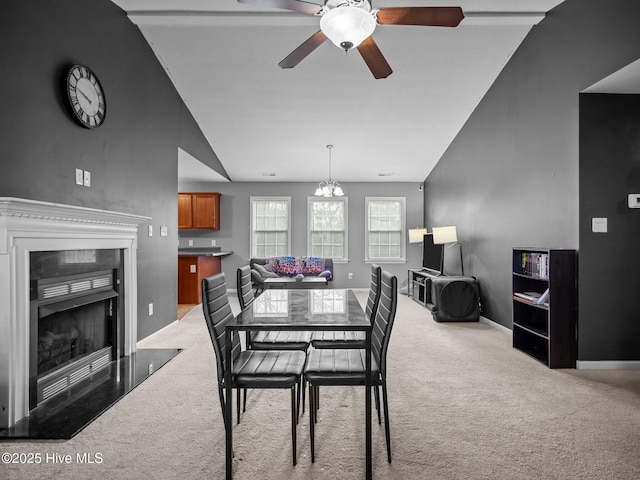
pixel 29 226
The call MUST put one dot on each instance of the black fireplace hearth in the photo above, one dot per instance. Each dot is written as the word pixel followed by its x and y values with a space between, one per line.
pixel 67 414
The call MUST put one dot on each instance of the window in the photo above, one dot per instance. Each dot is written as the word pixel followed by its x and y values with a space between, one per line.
pixel 327 236
pixel 270 232
pixel 385 238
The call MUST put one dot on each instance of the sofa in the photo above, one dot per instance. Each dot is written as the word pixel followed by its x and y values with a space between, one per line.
pixel 289 266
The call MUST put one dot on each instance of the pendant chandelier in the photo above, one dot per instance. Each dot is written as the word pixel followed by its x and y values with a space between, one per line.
pixel 329 188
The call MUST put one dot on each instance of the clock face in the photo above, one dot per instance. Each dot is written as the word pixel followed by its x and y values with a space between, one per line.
pixel 86 96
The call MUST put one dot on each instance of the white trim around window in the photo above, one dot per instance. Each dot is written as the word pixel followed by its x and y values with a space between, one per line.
pixel 327 228
pixel 385 237
pixel 270 226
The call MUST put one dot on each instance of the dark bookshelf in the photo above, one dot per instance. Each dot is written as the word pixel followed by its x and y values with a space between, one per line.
pixel 546 331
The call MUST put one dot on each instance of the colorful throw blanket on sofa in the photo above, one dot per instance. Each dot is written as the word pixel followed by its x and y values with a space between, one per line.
pixel 292 266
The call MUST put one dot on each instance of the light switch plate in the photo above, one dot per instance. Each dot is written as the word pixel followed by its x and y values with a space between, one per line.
pixel 163 231
pixel 599 225
pixel 150 309
pixel 633 200
pixel 87 178
pixel 192 269
pixel 151 230
pixel 79 176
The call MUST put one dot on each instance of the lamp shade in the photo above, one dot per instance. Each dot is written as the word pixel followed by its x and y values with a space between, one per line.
pixel 347 26
pixel 446 234
pixel 416 235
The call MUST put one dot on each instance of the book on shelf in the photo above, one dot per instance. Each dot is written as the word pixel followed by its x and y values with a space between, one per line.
pixel 534 298
pixel 535 264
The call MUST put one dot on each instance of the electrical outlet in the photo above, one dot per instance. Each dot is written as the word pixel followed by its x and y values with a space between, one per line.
pixel 150 309
pixel 87 178
pixel 599 225
pixel 350 276
pixel 213 243
pixel 163 231
pixel 191 243
pixel 79 176
pixel 150 369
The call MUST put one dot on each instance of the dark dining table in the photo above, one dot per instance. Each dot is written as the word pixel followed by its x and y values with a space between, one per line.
pixel 314 310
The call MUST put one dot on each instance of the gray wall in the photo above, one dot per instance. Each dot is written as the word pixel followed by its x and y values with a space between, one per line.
pixel 235 224
pixel 609 266
pixel 510 178
pixel 132 157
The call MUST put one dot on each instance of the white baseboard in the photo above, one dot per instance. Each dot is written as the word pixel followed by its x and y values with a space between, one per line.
pixel 581 365
pixel 141 343
pixel 493 324
pixel 608 365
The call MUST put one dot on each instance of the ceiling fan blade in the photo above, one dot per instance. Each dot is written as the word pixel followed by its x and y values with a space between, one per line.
pixel 295 5
pixel 425 16
pixel 305 48
pixel 374 59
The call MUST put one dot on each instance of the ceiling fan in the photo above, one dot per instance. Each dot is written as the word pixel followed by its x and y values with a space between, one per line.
pixel 350 23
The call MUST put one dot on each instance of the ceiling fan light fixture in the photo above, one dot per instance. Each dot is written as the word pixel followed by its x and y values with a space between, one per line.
pixel 347 26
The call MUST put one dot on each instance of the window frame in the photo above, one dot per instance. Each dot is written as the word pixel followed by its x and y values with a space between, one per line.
pixel 252 230
pixel 403 229
pixel 345 202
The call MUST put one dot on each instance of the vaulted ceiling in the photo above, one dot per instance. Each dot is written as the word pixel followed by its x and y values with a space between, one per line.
pixel 270 124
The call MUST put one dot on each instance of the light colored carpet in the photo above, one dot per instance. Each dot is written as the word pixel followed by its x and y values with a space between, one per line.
pixel 463 405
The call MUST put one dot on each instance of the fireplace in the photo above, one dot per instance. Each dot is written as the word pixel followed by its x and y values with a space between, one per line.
pixel 68 298
pixel 74 318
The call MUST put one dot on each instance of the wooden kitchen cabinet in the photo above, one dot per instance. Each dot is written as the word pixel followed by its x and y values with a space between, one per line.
pixel 191 271
pixel 199 210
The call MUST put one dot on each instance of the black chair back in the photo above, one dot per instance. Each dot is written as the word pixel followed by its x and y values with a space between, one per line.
pixel 217 313
pixel 374 292
pixel 383 323
pixel 244 286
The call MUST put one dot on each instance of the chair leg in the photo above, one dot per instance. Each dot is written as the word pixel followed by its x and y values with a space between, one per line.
pixel 304 389
pixel 385 400
pixel 316 404
pixel 294 421
pixel 222 403
pixel 238 395
pixel 298 395
pixel 244 403
pixel 312 420
pixel 376 388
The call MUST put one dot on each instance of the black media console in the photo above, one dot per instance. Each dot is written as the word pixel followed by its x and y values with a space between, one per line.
pixel 448 298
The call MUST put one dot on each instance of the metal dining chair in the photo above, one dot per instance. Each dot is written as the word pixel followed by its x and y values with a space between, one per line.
pixel 346 366
pixel 267 340
pixel 347 339
pixel 249 368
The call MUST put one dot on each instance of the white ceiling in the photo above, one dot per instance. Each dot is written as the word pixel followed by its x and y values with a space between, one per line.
pixel 270 124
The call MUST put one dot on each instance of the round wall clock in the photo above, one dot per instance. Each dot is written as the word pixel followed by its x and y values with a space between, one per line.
pixel 86 96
